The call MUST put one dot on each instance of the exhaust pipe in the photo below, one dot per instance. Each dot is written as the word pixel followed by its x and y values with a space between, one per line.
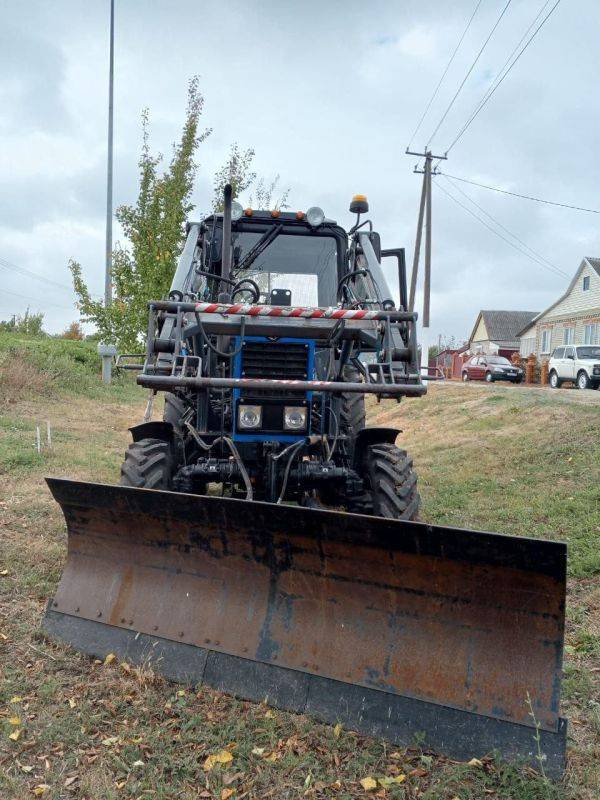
pixel 226 247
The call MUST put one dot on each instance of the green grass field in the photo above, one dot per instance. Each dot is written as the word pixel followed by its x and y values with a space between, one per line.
pixel 495 458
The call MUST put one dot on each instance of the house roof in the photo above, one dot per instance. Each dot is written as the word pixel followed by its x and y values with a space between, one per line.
pixel 504 326
pixel 594 263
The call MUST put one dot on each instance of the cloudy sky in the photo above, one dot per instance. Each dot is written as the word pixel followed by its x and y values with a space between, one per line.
pixel 328 93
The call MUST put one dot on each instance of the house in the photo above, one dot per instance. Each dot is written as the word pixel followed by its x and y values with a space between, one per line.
pixel 573 319
pixel 450 361
pixel 496 332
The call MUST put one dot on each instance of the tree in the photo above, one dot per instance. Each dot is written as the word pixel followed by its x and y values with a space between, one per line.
pixel 28 324
pixel 262 195
pixel 73 331
pixel 237 170
pixel 154 229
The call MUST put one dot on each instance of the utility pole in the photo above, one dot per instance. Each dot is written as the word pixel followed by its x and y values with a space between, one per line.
pixel 109 175
pixel 424 212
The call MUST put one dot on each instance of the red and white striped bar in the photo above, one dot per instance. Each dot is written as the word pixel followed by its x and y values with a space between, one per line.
pixel 250 310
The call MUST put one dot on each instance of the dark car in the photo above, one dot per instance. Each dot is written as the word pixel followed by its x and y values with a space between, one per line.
pixel 491 368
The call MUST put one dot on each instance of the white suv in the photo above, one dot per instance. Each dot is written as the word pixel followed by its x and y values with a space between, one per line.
pixel 581 365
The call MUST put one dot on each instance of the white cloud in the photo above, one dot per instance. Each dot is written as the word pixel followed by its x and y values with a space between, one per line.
pixel 418 42
pixel 328 98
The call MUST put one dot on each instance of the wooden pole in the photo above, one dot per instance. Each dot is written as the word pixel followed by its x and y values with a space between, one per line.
pixel 415 268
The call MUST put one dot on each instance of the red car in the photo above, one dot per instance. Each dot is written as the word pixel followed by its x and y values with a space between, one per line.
pixel 490 369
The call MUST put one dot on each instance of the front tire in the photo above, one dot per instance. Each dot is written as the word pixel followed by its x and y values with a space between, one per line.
pixel 148 465
pixel 583 381
pixel 554 380
pixel 390 483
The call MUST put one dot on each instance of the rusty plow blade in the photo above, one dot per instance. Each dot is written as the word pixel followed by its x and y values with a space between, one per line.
pixel 412 632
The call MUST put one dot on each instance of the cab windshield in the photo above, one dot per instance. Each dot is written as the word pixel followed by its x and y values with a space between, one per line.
pixel 303 265
pixel 588 352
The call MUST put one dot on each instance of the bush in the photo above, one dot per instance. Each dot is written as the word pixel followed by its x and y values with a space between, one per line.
pixel 50 366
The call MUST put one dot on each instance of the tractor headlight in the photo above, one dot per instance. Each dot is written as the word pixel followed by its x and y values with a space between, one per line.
pixel 249 417
pixel 294 418
pixel 236 210
pixel 315 216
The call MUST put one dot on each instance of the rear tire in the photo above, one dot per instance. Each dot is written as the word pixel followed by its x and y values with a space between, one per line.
pixel 148 465
pixel 174 411
pixel 352 409
pixel 465 377
pixel 390 484
pixel 489 378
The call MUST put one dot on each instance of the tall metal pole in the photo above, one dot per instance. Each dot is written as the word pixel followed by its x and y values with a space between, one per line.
pixel 109 172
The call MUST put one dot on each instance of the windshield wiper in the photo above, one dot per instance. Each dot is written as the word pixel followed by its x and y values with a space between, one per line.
pixel 260 246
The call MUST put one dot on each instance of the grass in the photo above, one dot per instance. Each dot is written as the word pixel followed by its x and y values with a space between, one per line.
pixel 487 457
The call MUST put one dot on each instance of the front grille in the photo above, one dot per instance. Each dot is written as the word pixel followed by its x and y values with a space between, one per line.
pixel 275 360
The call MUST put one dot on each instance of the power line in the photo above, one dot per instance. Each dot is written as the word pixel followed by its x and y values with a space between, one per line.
pixel 504 228
pixel 36 300
pixel 523 196
pixel 501 70
pixel 471 68
pixel 445 72
pixel 495 232
pixel 485 100
pixel 14 268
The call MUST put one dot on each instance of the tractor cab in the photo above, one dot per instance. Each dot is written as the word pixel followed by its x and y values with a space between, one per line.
pixel 278 258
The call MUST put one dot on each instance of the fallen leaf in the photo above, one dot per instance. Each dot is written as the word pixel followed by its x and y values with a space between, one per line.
pixel 72 702
pixel 258 751
pixel 15 735
pixel 227 793
pixel 138 764
pixel 110 741
pixel 397 756
pixel 16 699
pixel 269 714
pixel 4 636
pixel 26 768
pixel 368 784
pixel 418 772
pixel 388 782
pixel 71 780
pixel 272 756
pixel 475 762
pixel 40 789
pixel 15 720
pixel 337 730
pixel 181 693
pixel 109 658
pixel 308 780
pixel 222 757
pixel 4 572
pixel 125 667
